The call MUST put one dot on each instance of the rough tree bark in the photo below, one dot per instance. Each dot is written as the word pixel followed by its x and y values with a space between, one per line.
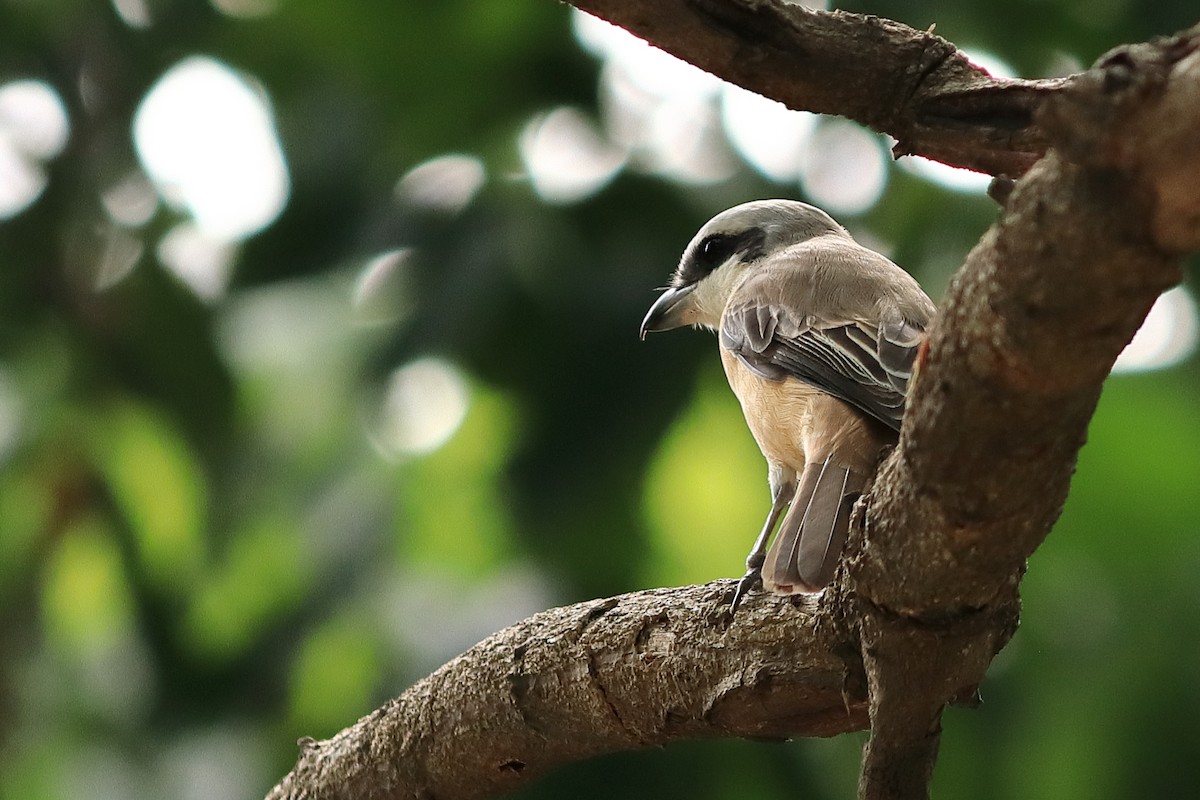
pixel 1092 233
pixel 913 85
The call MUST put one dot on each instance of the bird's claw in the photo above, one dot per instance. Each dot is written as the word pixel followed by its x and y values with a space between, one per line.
pixel 751 580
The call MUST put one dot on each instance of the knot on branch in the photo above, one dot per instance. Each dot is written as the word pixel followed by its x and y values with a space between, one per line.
pixel 1137 111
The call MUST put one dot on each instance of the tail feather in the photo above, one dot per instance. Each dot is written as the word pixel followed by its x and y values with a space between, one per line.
pixel 813 532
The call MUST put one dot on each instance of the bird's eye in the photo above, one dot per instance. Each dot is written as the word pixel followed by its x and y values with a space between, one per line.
pixel 714 251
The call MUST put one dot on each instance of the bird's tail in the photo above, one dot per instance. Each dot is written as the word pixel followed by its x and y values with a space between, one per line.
pixel 810 538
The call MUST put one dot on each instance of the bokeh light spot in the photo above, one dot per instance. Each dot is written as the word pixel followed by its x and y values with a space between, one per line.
pixel 844 169
pixel 383 292
pixel 206 138
pixel 21 181
pixel 134 13
pixel 1168 335
pixel 766 133
pixel 683 142
pixel 131 201
pixel 423 405
pixel 119 252
pixel 33 119
pixel 445 184
pixel 954 178
pixel 654 70
pixel 33 128
pixel 202 262
pixel 566 158
pixel 658 109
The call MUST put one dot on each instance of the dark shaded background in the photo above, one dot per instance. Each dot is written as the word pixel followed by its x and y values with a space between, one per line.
pixel 236 511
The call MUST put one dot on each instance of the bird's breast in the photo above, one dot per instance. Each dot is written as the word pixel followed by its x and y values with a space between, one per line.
pixel 777 412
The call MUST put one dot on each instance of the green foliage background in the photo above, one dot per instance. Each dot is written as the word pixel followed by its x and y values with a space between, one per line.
pixel 203 558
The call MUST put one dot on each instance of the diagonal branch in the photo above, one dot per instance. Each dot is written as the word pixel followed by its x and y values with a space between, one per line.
pixel 910 84
pixel 928 593
pixel 629 672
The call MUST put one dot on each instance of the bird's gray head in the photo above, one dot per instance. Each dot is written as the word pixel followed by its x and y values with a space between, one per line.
pixel 722 252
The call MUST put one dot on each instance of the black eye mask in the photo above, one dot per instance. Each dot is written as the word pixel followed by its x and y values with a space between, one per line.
pixel 716 249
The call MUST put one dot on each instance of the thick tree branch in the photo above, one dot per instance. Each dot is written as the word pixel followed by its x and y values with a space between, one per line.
pixel 634 671
pixel 928 593
pixel 1013 369
pixel 910 84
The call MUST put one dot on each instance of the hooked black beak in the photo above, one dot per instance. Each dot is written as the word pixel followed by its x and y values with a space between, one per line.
pixel 667 309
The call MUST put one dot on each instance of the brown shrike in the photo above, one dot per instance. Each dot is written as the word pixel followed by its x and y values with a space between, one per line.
pixel 818 335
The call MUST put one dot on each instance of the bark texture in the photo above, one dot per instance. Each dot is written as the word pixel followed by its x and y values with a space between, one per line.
pixel 628 672
pixel 1011 374
pixel 913 85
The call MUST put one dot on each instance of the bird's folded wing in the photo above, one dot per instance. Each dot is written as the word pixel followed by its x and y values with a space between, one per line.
pixel 866 365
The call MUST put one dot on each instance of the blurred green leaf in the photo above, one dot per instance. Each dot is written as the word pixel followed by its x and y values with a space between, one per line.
pixel 706 492
pixel 159 488
pixel 26 504
pixel 85 596
pixel 264 574
pixel 34 769
pixel 336 672
pixel 455 515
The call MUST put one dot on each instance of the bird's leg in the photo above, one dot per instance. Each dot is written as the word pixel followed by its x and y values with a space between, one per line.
pixel 782 491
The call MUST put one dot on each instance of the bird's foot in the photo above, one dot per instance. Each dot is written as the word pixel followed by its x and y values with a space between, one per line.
pixel 751 580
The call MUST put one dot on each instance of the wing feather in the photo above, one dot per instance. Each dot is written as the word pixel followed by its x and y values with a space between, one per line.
pixel 867 365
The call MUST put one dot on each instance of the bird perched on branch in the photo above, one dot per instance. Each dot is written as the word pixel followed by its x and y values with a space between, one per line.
pixel 818 336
